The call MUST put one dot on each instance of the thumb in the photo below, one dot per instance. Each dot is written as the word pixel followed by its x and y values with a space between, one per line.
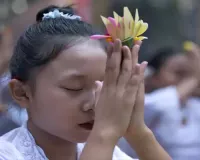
pixel 139 103
pixel 98 91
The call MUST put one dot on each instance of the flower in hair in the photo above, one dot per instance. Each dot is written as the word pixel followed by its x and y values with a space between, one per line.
pixel 56 14
pixel 124 28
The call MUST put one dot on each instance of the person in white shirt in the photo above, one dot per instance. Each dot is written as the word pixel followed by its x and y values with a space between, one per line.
pixel 56 71
pixel 172 103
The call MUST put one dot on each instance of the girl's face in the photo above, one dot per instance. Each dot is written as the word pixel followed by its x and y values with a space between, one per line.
pixel 65 92
pixel 174 70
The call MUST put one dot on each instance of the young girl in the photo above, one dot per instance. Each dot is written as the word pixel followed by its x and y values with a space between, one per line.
pixel 56 72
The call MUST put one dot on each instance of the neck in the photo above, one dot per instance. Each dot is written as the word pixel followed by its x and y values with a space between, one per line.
pixel 53 147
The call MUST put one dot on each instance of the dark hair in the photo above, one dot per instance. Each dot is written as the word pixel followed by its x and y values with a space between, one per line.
pixel 45 39
pixel 160 57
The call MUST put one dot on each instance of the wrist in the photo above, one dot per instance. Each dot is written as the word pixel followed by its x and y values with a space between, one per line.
pixel 139 136
pixel 104 136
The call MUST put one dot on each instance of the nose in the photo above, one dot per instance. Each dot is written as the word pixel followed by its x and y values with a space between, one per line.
pixel 92 97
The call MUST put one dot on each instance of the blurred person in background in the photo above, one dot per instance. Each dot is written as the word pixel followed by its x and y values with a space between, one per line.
pixel 172 103
pixel 6 124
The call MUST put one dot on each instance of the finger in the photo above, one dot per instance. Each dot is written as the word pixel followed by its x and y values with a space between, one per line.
pixel 113 65
pixel 135 81
pixel 139 98
pixel 194 52
pixel 132 87
pixel 138 42
pixel 143 67
pixel 98 91
pixel 139 102
pixel 134 53
pixel 126 68
pixel 109 50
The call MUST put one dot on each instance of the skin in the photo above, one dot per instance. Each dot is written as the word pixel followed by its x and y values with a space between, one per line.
pixel 67 94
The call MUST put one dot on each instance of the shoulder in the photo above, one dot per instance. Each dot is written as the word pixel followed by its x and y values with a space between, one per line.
pixel 19 144
pixel 9 152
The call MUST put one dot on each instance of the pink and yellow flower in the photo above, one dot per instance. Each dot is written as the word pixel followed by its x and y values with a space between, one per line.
pixel 124 28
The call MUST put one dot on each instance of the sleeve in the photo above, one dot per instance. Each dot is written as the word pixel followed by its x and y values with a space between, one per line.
pixel 9 152
pixel 119 155
pixel 160 101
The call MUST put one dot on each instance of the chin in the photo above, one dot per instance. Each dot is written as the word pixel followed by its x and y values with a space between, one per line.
pixel 78 137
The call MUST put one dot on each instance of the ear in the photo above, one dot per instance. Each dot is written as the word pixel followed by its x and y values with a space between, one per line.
pixel 20 92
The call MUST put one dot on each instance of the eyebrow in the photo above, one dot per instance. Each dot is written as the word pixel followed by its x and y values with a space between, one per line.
pixel 73 75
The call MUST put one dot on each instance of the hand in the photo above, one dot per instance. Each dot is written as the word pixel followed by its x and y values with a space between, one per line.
pixel 194 58
pixel 122 78
pixel 137 125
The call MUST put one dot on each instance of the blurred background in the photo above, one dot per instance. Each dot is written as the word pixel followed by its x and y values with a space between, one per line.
pixel 170 21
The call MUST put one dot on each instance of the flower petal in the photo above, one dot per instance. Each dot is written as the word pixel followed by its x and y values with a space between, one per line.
pixel 142 29
pixel 121 29
pixel 128 23
pixel 127 14
pixel 136 16
pixel 117 17
pixel 136 28
pixel 140 38
pixel 99 36
pixel 111 29
pixel 105 20
pixel 113 21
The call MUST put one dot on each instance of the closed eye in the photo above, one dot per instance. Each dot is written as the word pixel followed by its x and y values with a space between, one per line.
pixel 70 89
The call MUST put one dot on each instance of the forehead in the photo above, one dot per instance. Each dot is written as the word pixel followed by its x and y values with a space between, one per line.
pixel 87 59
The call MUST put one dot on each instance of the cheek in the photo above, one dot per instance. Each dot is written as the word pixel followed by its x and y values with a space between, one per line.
pixel 55 106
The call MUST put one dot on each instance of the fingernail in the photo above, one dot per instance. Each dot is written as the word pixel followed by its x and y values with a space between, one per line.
pixel 137 47
pixel 145 63
pixel 138 65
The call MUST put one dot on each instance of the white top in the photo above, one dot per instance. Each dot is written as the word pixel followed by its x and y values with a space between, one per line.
pixel 163 115
pixel 19 144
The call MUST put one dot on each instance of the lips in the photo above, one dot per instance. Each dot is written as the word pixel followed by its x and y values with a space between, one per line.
pixel 88 125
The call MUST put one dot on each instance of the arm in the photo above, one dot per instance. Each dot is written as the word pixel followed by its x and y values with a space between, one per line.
pixel 186 88
pixel 189 85
pixel 98 147
pixel 139 136
pixel 146 146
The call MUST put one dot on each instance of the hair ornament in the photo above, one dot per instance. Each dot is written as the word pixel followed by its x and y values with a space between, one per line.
pixel 57 14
